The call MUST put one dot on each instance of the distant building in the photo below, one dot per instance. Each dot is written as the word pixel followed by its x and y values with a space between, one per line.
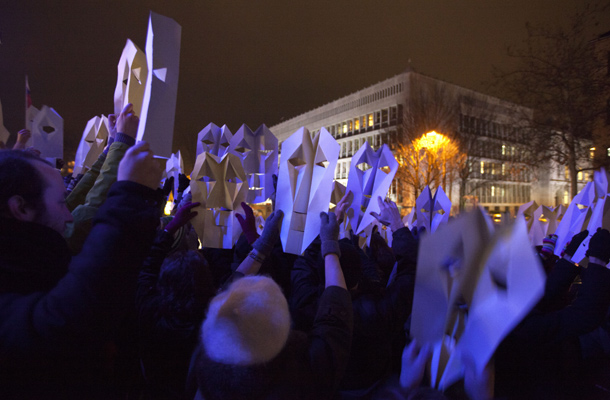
pixel 498 180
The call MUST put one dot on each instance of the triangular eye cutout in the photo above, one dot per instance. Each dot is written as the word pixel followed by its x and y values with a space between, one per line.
pixel 242 150
pixel 385 169
pixel 48 129
pixel 322 164
pixel 160 73
pixel 581 206
pixel 297 162
pixel 364 166
pixel 207 141
pixel 320 157
pixel 225 144
pixel 125 81
pixel 136 72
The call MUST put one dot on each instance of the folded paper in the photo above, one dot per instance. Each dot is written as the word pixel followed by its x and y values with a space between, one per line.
pixel 370 176
pixel 132 74
pixel 214 140
pixel 173 168
pixel 304 186
pixel 220 185
pixel 473 287
pixel 258 151
pixel 575 218
pixel 48 133
pixel 91 144
pixel 159 101
pixel 432 211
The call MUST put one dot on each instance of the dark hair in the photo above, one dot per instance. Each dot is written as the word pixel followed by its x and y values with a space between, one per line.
pixel 186 286
pixel 19 176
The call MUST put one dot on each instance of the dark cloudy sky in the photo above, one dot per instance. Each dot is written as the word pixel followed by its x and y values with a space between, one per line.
pixel 253 61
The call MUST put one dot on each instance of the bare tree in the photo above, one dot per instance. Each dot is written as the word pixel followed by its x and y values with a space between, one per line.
pixel 560 77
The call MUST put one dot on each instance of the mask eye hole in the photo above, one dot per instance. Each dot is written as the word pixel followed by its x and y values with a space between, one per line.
pixel 323 164
pixel 208 142
pixel 48 129
pixel 242 150
pixel 364 166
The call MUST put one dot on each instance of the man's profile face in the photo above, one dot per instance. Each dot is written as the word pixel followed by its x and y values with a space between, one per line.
pixel 55 213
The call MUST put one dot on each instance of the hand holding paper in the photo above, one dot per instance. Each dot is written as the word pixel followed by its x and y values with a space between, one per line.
pixel 264 244
pixel 329 234
pixel 127 122
pixel 139 166
pixel 388 214
pixel 413 366
pixel 343 205
pixel 573 244
pixel 22 138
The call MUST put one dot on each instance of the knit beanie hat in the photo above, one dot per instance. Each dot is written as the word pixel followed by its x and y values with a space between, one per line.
pixel 248 323
pixel 548 246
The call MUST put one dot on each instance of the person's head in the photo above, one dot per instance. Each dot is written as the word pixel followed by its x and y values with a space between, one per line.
pixel 185 284
pixel 32 190
pixel 247 324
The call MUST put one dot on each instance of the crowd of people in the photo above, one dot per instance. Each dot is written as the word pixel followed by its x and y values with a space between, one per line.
pixel 102 298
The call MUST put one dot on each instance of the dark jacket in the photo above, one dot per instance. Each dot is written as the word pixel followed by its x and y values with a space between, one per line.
pixel 309 367
pixel 57 311
pixel 379 314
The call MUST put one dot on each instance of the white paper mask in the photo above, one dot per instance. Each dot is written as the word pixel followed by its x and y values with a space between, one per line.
pixel 48 133
pixel 527 211
pixel 131 79
pixel 214 140
pixel 91 144
pixel 600 212
pixel 304 186
pixel 575 218
pixel 159 103
pixel 220 185
pixel 370 176
pixel 259 154
pixel 544 222
pixel 173 168
pixel 432 211
pixel 471 291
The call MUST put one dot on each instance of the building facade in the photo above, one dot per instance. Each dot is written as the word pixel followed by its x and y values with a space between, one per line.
pixel 387 113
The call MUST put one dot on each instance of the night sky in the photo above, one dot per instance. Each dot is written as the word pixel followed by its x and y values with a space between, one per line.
pixel 253 61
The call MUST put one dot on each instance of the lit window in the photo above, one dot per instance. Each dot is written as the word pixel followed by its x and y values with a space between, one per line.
pixel 580 175
pixel 592 152
pixel 566 197
pixel 370 119
pixel 482 167
pixel 351 126
pixel 493 190
pixel 567 173
pixel 503 168
pixel 357 123
pixel 344 128
pixel 503 149
pixel 608 150
pixel 586 176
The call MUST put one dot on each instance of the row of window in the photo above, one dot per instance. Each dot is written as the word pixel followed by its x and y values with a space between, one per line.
pixel 502 193
pixel 367 122
pixel 482 127
pixel 499 171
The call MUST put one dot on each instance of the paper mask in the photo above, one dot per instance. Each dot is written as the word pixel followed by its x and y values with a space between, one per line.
pixel 600 212
pixel 91 144
pixel 131 79
pixel 159 101
pixel 472 289
pixel 432 211
pixel 214 140
pixel 219 184
pixel 544 222
pixel 304 186
pixel 259 153
pixel 48 133
pixel 527 210
pixel 370 176
pixel 173 168
pixel 575 218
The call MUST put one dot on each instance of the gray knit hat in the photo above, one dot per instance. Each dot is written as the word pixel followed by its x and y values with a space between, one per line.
pixel 248 323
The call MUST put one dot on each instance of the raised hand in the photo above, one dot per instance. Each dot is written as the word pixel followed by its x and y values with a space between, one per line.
pixel 139 166
pixel 127 122
pixel 388 214
pixel 22 138
pixel 343 205
pixel 248 223
pixel 183 215
pixel 329 234
pixel 271 233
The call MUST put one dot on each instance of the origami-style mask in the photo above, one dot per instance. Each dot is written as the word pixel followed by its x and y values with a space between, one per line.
pixel 304 186
pixel 91 144
pixel 131 79
pixel 432 211
pixel 575 218
pixel 173 168
pixel 4 134
pixel 527 210
pixel 48 133
pixel 472 289
pixel 219 184
pixel 159 103
pixel 600 212
pixel 544 222
pixel 214 140
pixel 259 153
pixel 370 176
